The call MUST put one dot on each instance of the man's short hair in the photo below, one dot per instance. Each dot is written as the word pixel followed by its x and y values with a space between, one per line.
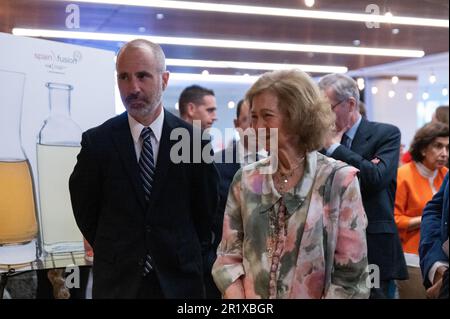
pixel 192 94
pixel 238 108
pixel 156 49
pixel 343 86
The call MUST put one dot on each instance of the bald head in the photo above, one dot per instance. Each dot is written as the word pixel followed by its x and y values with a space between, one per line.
pixel 141 44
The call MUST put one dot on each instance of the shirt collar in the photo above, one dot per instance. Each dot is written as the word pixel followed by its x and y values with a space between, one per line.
pixel 156 126
pixel 352 131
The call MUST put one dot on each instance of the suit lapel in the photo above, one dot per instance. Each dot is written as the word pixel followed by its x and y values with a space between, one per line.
pixel 362 135
pixel 125 146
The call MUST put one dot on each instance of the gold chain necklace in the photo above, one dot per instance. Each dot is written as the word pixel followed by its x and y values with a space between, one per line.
pixel 283 178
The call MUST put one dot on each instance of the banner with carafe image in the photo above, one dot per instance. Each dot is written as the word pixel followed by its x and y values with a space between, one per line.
pixel 50 93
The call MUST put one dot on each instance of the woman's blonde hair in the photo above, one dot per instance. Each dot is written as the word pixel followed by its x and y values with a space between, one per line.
pixel 307 113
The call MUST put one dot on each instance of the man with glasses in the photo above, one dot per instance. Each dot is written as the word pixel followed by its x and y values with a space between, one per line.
pixel 373 149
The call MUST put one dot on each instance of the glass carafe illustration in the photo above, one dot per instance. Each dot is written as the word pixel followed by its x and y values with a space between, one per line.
pixel 57 149
pixel 18 225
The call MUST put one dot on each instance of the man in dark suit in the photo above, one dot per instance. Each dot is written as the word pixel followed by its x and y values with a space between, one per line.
pixel 433 247
pixel 147 217
pixel 373 148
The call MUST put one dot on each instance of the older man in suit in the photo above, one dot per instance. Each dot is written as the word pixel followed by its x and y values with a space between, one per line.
pixel 147 218
pixel 373 148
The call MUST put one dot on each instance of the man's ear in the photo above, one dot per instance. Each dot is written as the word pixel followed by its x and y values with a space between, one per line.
pixel 165 79
pixel 190 108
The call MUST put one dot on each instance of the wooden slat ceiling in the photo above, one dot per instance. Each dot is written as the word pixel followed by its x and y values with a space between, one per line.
pixel 127 19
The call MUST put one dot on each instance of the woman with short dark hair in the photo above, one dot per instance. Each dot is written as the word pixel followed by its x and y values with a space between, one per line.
pixel 417 182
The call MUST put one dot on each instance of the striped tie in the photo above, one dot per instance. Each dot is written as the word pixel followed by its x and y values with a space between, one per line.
pixel 146 162
pixel 147 167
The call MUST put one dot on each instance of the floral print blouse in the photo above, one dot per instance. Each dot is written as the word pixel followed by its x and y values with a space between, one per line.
pixel 309 242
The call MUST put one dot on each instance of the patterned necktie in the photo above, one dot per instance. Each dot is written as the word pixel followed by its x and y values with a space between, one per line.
pixel 146 162
pixel 345 141
pixel 147 167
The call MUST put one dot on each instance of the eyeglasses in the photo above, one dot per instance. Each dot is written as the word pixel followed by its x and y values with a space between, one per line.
pixel 334 105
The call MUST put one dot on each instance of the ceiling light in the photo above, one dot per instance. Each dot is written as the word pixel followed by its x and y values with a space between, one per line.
pixel 360 82
pixel 425 95
pixel 374 90
pixel 192 77
pixel 356 43
pixel 274 46
pixel 256 66
pixel 395 31
pixel 391 93
pixel 445 92
pixel 309 3
pixel 432 78
pixel 409 96
pixel 160 16
pixel 231 105
pixel 395 79
pixel 205 72
pixel 269 11
pixel 388 14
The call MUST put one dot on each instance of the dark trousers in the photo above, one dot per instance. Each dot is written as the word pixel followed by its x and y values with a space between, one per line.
pixel 150 287
pixel 386 291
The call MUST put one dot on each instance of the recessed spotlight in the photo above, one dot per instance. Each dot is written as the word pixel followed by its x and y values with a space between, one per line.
pixel 205 72
pixel 409 95
pixel 395 31
pixel 394 79
pixel 160 16
pixel 432 78
pixel 231 105
pixel 361 84
pixel 309 3
pixel 356 43
pixel 391 93
pixel 445 92
pixel 374 90
pixel 142 29
pixel 388 14
pixel 425 95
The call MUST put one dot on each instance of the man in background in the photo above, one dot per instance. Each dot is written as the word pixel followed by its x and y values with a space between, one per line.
pixel 197 103
pixel 373 148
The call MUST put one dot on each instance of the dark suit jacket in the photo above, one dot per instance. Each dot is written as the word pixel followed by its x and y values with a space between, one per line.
pixel 378 186
pixel 226 172
pixel 174 227
pixel 434 231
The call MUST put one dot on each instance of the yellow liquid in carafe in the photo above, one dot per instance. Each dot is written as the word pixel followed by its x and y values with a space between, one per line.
pixel 17 210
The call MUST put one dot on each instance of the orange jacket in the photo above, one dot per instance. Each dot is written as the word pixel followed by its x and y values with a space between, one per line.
pixel 413 193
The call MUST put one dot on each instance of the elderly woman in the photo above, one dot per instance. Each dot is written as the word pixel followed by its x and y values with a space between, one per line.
pixel 417 182
pixel 299 231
